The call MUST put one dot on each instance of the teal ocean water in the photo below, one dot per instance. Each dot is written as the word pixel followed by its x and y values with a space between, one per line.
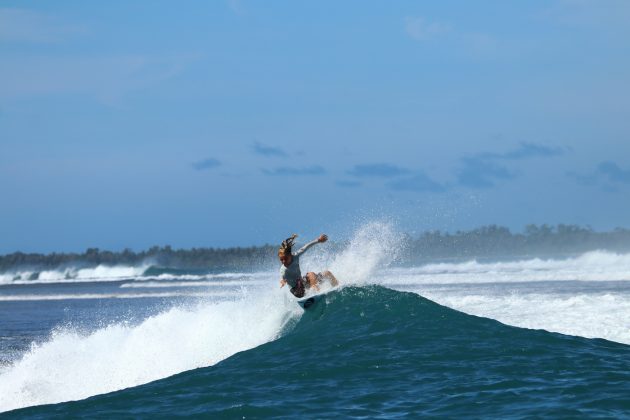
pixel 377 352
pixel 510 339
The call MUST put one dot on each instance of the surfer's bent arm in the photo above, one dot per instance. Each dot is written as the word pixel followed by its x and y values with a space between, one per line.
pixel 282 283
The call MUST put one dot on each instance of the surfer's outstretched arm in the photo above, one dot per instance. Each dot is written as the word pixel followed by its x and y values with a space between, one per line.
pixel 322 238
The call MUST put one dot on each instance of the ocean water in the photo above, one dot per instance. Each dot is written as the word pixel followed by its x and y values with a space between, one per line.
pixel 532 337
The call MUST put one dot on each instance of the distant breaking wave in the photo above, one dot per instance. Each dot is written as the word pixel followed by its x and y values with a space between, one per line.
pixel 106 273
pixel 591 266
pixel 73 274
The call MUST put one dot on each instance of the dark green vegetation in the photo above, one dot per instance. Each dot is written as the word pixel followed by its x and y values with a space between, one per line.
pixel 195 258
pixel 377 353
pixel 485 242
pixel 498 242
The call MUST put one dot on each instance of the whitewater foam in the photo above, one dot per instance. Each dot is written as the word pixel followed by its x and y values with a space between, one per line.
pixel 568 301
pixel 71 366
pixel 105 273
pixel 591 266
pixel 371 248
pixel 586 315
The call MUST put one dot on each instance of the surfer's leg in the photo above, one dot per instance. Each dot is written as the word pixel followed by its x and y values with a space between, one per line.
pixel 330 276
pixel 312 279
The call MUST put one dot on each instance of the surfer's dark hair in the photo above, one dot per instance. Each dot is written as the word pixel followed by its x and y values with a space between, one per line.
pixel 287 244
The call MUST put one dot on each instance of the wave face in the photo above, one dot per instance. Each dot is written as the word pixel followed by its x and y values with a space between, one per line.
pixel 371 351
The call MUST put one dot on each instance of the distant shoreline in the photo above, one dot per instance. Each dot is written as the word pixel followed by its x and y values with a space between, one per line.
pixel 487 242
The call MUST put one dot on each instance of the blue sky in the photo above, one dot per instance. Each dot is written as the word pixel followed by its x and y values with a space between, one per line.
pixel 129 124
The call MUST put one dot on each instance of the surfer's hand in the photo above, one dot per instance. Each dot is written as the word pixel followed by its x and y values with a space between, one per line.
pixel 282 283
pixel 322 238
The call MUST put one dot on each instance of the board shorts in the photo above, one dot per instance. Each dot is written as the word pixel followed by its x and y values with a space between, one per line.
pixel 302 284
pixel 300 289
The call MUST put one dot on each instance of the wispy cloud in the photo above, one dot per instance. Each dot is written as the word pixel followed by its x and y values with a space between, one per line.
pixel 418 183
pixel 206 164
pixel 588 180
pixel 421 29
pixel 479 173
pixel 607 176
pixel 290 171
pixel 26 26
pixel 485 169
pixel 613 172
pixel 479 44
pixel 377 170
pixel 264 150
pixel 472 43
pixel 348 184
pixel 526 150
pixel 236 6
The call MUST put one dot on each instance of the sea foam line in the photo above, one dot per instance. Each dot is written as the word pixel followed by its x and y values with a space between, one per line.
pixel 173 284
pixel 78 296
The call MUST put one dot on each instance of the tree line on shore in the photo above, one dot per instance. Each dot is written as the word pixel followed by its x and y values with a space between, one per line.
pixel 485 242
pixel 498 242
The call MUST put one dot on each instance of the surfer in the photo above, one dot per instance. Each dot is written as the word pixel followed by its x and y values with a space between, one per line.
pixel 290 269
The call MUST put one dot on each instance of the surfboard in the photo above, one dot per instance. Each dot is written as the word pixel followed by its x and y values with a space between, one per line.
pixel 309 301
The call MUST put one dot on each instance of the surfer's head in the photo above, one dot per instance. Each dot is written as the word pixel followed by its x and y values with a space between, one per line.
pixel 284 252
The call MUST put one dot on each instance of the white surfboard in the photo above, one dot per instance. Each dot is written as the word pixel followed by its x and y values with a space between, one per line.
pixel 309 301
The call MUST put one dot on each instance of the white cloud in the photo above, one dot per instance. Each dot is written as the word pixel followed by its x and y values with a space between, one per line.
pixel 474 43
pixel 22 25
pixel 236 6
pixel 420 29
